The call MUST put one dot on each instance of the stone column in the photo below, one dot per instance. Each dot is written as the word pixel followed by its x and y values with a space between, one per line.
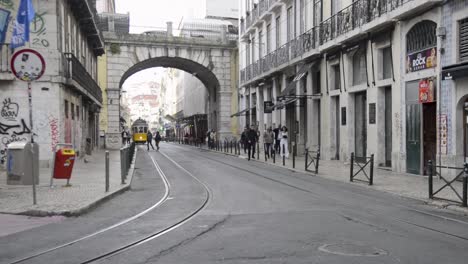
pixel 276 113
pixel 260 114
pixel 308 107
pixel 113 136
pixel 267 97
pixel 169 29
pixel 300 117
pixel 224 114
pixel 284 83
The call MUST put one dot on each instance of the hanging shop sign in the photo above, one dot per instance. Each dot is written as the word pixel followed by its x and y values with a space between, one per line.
pixel 421 60
pixel 426 90
pixel 268 107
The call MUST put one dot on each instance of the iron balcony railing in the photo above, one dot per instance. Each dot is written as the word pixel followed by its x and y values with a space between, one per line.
pixel 76 71
pixel 351 17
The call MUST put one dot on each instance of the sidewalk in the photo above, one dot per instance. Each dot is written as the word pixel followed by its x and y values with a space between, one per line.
pixel 86 191
pixel 402 184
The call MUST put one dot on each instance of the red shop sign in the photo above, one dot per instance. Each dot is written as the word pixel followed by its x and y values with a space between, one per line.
pixel 426 91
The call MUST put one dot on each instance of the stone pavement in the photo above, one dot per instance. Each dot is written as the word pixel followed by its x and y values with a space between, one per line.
pixel 402 184
pixel 86 191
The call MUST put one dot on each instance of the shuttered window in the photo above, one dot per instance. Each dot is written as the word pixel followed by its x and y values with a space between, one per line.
pixel 463 40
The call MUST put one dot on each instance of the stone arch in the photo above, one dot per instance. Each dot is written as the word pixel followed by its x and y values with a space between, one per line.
pixel 203 73
pixel 211 65
pixel 459 129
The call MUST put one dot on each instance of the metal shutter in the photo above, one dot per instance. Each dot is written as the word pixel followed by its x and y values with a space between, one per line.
pixel 463 51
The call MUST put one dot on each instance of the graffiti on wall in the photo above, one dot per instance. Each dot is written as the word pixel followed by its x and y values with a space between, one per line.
pixel 9 110
pixel 8 4
pixel 54 132
pixel 12 132
pixel 39 30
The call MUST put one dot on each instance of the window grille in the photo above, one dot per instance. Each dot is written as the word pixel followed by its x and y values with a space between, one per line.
pixel 421 36
pixel 463 48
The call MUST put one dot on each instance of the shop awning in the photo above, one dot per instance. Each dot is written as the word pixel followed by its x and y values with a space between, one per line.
pixel 240 112
pixel 282 104
pixel 299 75
pixel 455 71
pixel 170 118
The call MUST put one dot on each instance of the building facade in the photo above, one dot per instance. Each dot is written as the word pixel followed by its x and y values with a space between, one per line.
pixel 67 99
pixel 358 77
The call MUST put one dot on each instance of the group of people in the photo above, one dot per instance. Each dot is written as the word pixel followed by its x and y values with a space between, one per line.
pixel 149 140
pixel 277 136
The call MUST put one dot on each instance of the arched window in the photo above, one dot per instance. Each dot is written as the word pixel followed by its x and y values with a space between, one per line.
pixel 421 36
pixel 359 66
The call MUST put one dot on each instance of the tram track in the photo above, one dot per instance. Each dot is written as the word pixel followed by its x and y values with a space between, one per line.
pixel 165 230
pixel 142 240
pixel 373 212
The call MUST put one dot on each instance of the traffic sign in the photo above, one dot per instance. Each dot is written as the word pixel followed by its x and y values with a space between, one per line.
pixel 28 65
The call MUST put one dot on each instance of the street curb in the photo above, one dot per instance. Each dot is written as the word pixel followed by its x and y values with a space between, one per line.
pixel 434 203
pixel 89 207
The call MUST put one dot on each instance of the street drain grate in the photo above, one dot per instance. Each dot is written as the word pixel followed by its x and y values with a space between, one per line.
pixel 356 250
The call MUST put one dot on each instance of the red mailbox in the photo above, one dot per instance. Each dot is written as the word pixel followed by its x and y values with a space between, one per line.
pixel 63 165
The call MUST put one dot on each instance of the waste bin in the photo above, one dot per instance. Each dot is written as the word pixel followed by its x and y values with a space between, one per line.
pixel 63 165
pixel 22 163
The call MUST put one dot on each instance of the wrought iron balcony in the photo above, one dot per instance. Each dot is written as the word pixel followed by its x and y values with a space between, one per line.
pixel 258 11
pixel 75 71
pixel 356 15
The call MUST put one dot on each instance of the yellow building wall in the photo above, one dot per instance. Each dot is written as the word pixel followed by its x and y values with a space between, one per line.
pixel 102 81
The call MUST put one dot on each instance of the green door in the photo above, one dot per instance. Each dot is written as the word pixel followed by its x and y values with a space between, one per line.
pixel 413 138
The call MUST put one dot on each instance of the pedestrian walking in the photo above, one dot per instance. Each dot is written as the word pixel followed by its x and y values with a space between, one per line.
pixel 128 136
pixel 124 137
pixel 277 139
pixel 251 142
pixel 268 137
pixel 149 140
pixel 244 139
pixel 157 139
pixel 284 142
pixel 212 138
pixel 208 139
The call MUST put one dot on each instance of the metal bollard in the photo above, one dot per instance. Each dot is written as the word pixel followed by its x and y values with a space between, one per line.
pixel 306 158
pixel 107 171
pixel 351 167
pixel 465 186
pixel 258 150
pixel 371 178
pixel 317 161
pixel 294 155
pixel 123 165
pixel 284 155
pixel 430 180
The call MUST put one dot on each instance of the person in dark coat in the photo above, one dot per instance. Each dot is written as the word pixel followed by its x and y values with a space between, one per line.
pixel 277 140
pixel 149 140
pixel 251 142
pixel 244 139
pixel 157 139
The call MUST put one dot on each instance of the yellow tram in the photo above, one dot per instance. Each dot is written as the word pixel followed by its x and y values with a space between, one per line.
pixel 139 131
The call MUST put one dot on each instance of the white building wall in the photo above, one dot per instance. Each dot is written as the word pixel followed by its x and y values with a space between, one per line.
pixel 48 93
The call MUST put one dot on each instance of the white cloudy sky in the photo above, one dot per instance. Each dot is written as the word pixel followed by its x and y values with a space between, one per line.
pixel 148 15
